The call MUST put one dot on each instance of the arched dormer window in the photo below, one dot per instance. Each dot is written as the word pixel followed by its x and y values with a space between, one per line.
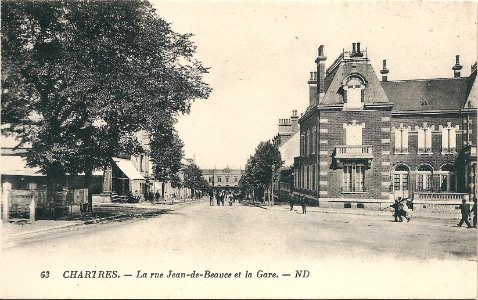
pixel 353 87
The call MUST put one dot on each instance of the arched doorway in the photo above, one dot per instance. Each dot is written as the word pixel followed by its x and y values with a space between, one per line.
pixel 401 175
pixel 424 178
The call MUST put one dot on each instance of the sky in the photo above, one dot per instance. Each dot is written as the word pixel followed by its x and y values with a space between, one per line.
pixel 261 53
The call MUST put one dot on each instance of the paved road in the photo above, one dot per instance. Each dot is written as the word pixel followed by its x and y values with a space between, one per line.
pixel 346 255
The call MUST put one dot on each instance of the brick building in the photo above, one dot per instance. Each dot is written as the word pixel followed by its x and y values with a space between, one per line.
pixel 363 138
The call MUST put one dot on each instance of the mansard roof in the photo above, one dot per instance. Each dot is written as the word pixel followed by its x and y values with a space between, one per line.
pixel 427 94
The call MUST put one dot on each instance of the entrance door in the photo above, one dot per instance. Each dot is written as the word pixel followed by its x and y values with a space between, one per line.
pixel 401 176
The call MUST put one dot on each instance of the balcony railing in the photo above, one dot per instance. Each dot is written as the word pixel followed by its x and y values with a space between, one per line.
pixel 359 151
pixel 431 196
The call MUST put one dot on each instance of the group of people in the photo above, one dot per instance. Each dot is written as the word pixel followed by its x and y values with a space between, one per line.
pixel 221 197
pixel 466 212
pixel 399 210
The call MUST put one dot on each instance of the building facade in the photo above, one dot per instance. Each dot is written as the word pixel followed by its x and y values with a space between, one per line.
pixel 223 179
pixel 363 138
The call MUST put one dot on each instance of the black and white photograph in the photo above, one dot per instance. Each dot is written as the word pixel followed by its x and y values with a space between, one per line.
pixel 238 149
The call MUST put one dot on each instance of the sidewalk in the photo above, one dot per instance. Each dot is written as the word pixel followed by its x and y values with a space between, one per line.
pixel 357 211
pixel 19 229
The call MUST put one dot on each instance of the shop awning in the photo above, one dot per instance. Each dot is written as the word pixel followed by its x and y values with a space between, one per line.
pixel 17 165
pixel 126 166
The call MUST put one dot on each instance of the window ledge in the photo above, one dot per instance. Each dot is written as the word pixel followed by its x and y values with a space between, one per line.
pixel 401 153
pixel 425 153
pixel 449 153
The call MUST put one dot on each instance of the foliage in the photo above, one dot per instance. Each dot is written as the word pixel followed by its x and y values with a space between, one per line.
pixel 193 178
pixel 260 167
pixel 79 78
pixel 166 155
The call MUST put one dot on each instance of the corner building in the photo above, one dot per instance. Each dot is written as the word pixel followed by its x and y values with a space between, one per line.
pixel 363 139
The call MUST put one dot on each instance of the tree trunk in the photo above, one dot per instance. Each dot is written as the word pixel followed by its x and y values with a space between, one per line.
pixel 88 182
pixel 50 190
pixel 162 190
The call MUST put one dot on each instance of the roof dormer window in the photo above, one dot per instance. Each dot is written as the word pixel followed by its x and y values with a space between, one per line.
pixel 353 88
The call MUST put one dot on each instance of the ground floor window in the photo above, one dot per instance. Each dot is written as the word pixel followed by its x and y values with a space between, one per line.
pixel 424 179
pixel 353 178
pixel 448 183
pixel 424 182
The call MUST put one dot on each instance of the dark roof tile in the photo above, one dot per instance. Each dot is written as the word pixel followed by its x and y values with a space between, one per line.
pixel 427 94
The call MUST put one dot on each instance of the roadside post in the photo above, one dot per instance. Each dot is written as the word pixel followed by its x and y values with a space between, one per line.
pixel 6 187
pixel 32 207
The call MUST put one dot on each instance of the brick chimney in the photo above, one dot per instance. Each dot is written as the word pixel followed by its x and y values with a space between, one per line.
pixel 457 67
pixel 384 70
pixel 294 122
pixel 312 88
pixel 320 71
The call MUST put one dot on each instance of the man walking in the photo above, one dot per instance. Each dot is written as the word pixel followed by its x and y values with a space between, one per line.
pixel 303 203
pixel 396 209
pixel 473 210
pixel 465 211
pixel 211 198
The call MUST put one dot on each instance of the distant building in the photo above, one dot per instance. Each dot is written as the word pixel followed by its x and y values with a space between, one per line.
pixel 223 179
pixel 362 138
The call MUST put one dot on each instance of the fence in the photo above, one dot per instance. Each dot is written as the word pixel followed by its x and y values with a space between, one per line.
pixel 60 203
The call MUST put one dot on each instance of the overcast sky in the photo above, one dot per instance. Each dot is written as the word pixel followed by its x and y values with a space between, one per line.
pixel 260 56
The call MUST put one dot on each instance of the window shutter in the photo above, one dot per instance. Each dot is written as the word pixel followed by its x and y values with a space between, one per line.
pixel 398 141
pixel 453 139
pixel 428 137
pixel 444 140
pixel 405 140
pixel 421 140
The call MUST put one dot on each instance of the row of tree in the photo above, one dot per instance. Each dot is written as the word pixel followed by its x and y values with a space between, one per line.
pixel 81 78
pixel 260 169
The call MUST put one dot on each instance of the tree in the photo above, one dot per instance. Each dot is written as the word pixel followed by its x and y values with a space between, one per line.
pixel 166 155
pixel 193 179
pixel 79 78
pixel 261 167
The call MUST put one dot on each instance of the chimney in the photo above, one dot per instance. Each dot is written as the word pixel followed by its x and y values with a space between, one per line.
pixel 358 48
pixel 320 71
pixel 354 50
pixel 384 71
pixel 294 121
pixel 457 67
pixel 312 88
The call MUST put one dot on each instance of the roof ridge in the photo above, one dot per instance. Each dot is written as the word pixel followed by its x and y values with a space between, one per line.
pixel 426 79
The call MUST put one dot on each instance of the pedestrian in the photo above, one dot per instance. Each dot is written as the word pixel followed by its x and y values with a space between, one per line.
pixel 156 196
pixel 211 198
pixel 303 203
pixel 465 212
pixel 473 210
pixel 402 212
pixel 396 210
pixel 223 195
pixel 218 198
pixel 291 201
